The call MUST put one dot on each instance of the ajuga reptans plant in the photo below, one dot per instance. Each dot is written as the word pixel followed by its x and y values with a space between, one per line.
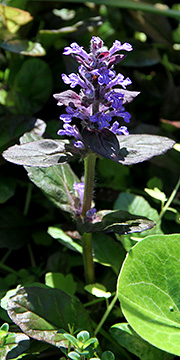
pixel 94 125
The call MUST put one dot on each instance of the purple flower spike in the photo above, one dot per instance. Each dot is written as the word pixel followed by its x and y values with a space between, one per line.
pixel 102 96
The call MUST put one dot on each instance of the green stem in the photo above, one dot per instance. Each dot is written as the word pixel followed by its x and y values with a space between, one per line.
pixel 106 314
pixel 89 171
pixel 88 258
pixel 171 198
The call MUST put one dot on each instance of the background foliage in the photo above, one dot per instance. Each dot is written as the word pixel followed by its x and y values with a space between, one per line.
pixel 40 247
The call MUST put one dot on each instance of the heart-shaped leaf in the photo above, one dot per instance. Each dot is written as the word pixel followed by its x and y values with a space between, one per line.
pixel 149 287
pixel 117 221
pixel 141 147
pixel 42 153
pixel 41 311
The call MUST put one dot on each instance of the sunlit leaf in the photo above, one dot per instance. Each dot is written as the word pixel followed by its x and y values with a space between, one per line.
pixel 23 47
pixel 13 18
pixel 42 153
pixel 148 289
pixel 98 290
pixel 138 148
pixel 13 345
pixel 28 309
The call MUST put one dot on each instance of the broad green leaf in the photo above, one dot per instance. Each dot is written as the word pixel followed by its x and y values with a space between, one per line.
pixel 120 222
pixel 14 344
pixel 40 153
pixel 56 182
pixel 113 175
pixel 62 282
pixel 13 18
pixel 7 188
pixel 106 251
pixel 23 47
pixel 138 148
pixel 98 290
pixel 128 338
pixel 40 312
pixel 142 6
pixel 32 86
pixel 148 289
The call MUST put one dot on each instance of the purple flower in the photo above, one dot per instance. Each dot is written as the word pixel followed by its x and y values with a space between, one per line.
pixel 101 119
pixel 117 47
pixel 122 130
pixel 119 80
pixel 79 187
pixel 102 95
pixel 73 80
pixel 105 75
pixel 74 48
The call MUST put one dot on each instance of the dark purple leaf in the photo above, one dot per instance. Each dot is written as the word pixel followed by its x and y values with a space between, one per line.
pixel 103 142
pixel 118 221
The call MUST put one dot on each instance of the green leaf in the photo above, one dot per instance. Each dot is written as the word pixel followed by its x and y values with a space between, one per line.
pixel 156 194
pixel 128 338
pixel 148 289
pixel 120 222
pixel 40 153
pixel 61 282
pixel 23 47
pixel 13 345
pixel 56 183
pixel 83 336
pixel 64 239
pixel 138 148
pixel 14 18
pixel 106 251
pixel 98 290
pixel 137 205
pixel 7 188
pixel 32 86
pixel 40 312
pixel 74 355
pixel 107 355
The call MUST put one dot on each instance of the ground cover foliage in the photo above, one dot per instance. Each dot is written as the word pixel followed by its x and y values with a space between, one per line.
pixel 52 305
